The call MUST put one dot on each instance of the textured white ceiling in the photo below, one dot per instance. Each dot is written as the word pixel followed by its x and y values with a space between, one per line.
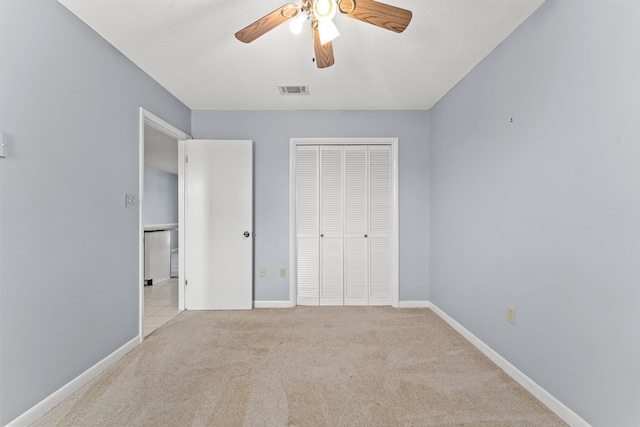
pixel 189 47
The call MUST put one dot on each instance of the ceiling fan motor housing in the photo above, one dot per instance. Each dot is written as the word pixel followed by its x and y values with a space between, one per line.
pixel 324 10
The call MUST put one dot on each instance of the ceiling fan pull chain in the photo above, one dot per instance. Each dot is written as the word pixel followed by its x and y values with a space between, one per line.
pixel 353 7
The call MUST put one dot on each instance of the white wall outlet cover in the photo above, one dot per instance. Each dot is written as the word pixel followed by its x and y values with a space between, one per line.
pixel 511 315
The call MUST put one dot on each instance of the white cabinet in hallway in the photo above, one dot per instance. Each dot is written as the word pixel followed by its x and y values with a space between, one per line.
pixel 157 256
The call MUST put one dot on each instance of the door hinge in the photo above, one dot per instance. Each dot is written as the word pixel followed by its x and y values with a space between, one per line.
pixel 186 159
pixel 186 282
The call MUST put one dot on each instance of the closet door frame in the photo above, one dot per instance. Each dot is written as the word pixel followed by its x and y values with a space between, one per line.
pixel 296 142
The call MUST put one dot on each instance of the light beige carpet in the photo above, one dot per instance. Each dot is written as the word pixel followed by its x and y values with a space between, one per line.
pixel 307 366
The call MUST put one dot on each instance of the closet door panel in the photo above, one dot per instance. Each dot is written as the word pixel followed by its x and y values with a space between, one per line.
pixel 356 225
pixel 331 191
pixel 356 203
pixel 380 190
pixel 356 271
pixel 331 225
pixel 307 191
pixel 380 271
pixel 332 272
pixel 307 226
pixel 308 266
pixel 380 217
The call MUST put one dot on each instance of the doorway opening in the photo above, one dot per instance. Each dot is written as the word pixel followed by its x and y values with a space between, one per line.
pixel 159 240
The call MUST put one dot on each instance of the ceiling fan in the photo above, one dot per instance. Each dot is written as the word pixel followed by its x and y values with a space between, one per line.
pixel 320 13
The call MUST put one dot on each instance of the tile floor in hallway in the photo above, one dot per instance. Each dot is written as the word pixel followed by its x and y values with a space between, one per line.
pixel 161 299
pixel 160 304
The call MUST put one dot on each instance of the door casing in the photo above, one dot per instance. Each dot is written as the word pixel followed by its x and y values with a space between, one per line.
pixel 295 142
pixel 147 118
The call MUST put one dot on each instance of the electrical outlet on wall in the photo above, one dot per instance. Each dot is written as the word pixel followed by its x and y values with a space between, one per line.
pixel 283 272
pixel 511 315
pixel 2 152
pixel 263 272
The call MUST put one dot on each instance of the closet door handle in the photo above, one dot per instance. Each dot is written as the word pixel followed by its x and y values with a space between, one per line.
pixel 322 235
pixel 366 235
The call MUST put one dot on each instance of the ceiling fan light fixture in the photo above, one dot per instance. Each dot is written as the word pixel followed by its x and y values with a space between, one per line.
pixel 297 23
pixel 328 31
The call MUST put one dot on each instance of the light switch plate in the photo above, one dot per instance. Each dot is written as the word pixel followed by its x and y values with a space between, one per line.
pixel 130 201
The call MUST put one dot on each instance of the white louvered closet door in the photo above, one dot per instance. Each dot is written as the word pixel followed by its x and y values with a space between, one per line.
pixel 356 225
pixel 331 225
pixel 307 225
pixel 344 224
pixel 380 223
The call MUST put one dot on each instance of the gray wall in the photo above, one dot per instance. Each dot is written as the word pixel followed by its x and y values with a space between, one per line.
pixel 160 197
pixel 69 248
pixel 271 132
pixel 542 213
pixel 161 200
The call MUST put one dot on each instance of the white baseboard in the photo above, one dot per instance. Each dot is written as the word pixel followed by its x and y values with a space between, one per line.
pixel 561 410
pixel 273 304
pixel 55 398
pixel 289 304
pixel 413 304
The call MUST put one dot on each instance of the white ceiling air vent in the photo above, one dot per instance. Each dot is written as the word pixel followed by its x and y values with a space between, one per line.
pixel 294 90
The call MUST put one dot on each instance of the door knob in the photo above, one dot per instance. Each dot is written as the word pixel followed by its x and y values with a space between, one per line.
pixel 322 235
pixel 247 234
pixel 366 235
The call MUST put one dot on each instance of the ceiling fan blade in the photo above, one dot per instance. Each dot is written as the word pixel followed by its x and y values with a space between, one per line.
pixel 378 14
pixel 324 52
pixel 267 23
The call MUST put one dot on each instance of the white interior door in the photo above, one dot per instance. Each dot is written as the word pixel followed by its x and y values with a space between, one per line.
pixel 218 225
